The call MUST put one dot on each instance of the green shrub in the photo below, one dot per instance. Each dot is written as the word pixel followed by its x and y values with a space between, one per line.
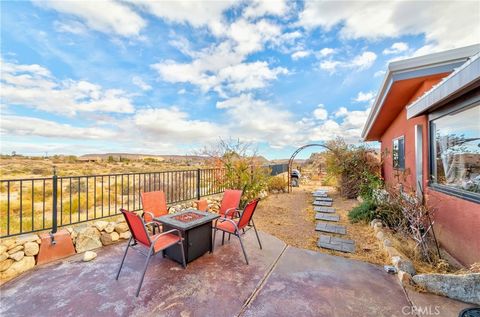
pixel 278 183
pixel 365 212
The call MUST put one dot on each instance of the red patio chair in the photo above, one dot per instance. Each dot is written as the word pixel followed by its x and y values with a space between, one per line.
pixel 230 202
pixel 155 243
pixel 154 205
pixel 236 227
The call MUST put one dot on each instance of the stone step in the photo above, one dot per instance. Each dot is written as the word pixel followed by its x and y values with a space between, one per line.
pixel 337 244
pixel 323 203
pixel 327 217
pixel 329 210
pixel 319 195
pixel 323 199
pixel 320 191
pixel 328 227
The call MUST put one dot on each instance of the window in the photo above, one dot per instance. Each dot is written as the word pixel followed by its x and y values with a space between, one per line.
pixel 398 153
pixel 455 152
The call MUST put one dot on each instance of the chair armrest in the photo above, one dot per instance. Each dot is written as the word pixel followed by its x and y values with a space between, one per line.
pixel 229 220
pixel 153 223
pixel 230 210
pixel 167 232
pixel 147 212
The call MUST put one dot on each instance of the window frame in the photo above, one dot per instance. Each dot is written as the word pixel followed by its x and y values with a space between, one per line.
pixel 399 168
pixel 432 184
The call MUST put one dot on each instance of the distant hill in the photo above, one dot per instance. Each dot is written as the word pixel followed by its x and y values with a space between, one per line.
pixel 130 156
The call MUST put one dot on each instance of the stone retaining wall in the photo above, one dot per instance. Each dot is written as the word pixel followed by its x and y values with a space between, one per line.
pixel 18 254
pixel 463 287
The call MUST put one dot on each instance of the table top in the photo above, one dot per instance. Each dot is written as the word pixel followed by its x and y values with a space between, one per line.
pixel 178 224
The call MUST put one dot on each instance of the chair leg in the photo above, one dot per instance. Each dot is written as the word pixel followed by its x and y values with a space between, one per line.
pixel 213 240
pixel 183 254
pixel 256 233
pixel 223 237
pixel 243 248
pixel 123 259
pixel 144 270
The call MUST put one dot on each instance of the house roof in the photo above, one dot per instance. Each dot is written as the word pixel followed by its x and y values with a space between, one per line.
pixel 405 79
pixel 466 77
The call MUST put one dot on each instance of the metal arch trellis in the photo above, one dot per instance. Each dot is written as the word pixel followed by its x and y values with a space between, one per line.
pixel 293 157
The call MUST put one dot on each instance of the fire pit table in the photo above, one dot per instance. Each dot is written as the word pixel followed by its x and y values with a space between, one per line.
pixel 196 229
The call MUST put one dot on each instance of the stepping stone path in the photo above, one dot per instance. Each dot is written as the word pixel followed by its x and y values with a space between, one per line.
pixel 337 244
pixel 327 217
pixel 323 203
pixel 324 199
pixel 325 211
pixel 328 227
pixel 328 210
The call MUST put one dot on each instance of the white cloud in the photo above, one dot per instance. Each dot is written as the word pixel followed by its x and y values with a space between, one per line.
pixel 195 13
pixel 34 86
pixel 365 96
pixel 320 113
pixel 73 27
pixel 29 126
pixel 326 51
pixel 173 125
pixel 396 48
pixel 360 62
pixel 379 73
pixel 138 81
pixel 106 16
pixel 266 7
pixel 445 24
pixel 300 54
pixel 341 112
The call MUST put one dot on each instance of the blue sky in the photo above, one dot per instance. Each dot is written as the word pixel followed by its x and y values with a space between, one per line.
pixel 169 77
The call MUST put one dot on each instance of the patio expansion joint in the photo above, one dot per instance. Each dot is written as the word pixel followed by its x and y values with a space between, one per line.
pixel 262 282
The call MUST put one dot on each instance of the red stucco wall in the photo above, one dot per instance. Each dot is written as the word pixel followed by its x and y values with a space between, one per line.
pixel 457 221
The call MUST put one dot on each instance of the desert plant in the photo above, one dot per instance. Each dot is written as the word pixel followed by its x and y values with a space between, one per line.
pixel 365 212
pixel 278 183
pixel 354 166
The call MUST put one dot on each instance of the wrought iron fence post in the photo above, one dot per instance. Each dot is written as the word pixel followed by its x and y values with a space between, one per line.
pixel 198 184
pixel 54 201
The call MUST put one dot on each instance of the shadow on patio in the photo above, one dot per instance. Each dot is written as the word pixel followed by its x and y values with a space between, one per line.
pixel 280 281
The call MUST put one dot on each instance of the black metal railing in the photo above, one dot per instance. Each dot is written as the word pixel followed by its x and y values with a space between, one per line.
pixel 37 204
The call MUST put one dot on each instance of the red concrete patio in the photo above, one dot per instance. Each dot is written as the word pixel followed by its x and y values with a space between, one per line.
pixel 280 281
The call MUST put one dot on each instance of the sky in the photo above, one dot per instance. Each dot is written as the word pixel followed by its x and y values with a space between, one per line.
pixel 168 77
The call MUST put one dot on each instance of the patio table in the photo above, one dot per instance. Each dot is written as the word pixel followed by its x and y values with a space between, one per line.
pixel 196 229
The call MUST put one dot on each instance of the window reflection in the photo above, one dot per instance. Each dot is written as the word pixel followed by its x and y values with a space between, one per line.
pixel 457 150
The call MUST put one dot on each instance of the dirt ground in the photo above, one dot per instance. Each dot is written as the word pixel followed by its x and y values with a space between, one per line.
pixel 290 217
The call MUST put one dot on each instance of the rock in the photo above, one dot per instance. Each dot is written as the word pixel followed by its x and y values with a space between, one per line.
pixel 110 227
pixel 380 235
pixel 88 256
pixel 387 243
pixel 404 278
pixel 17 256
pixel 26 238
pixel 121 227
pixel 5 264
pixel 374 221
pixel 109 238
pixel 88 239
pixel 3 256
pixel 403 264
pixel 31 248
pixel 377 227
pixel 8 243
pixel 3 248
pixel 463 287
pixel 17 268
pixel 125 235
pixel 100 225
pixel 359 199
pixel 15 249
pixel 393 252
